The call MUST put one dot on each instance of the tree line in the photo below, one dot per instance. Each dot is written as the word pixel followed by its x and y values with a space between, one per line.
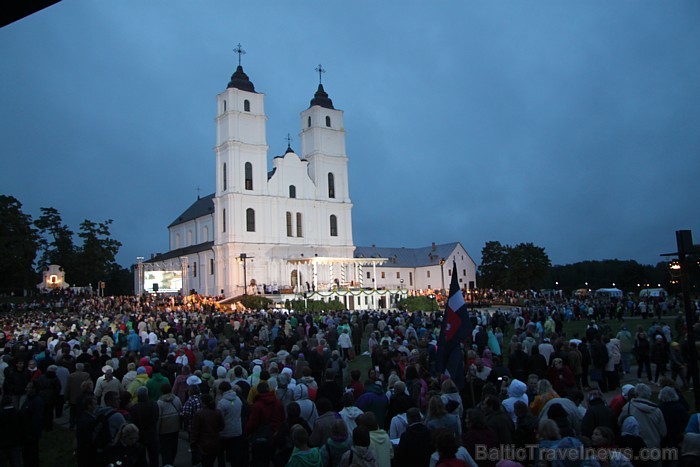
pixel 527 267
pixel 28 245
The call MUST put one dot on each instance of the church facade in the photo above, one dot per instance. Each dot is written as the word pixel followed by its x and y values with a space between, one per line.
pixel 284 230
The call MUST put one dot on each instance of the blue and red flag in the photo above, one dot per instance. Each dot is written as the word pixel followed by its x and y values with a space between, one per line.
pixel 456 328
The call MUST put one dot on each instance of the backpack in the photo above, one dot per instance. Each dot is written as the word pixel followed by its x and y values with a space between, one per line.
pixel 101 435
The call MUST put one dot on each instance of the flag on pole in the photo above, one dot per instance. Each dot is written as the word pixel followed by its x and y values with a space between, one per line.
pixel 456 328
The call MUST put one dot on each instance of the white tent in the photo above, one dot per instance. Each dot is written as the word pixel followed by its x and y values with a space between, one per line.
pixel 612 292
pixel 661 293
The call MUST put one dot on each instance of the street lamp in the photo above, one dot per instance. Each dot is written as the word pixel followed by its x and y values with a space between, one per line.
pixel 442 271
pixel 244 257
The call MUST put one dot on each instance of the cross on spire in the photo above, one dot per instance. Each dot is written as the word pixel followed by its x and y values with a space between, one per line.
pixel 319 69
pixel 289 141
pixel 197 190
pixel 239 50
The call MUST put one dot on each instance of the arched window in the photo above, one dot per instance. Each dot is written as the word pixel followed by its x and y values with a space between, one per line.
pixel 292 191
pixel 328 121
pixel 224 105
pixel 223 220
pixel 205 233
pixel 246 105
pixel 189 238
pixel 194 269
pixel 289 224
pixel 248 176
pixel 177 241
pixel 334 226
pixel 308 122
pixel 331 185
pixel 225 178
pixel 211 265
pixel 250 220
pixel 299 228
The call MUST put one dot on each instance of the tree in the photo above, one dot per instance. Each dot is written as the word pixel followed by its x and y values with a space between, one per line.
pixel 56 242
pixel 18 246
pixel 522 267
pixel 96 258
pixel 528 267
pixel 494 265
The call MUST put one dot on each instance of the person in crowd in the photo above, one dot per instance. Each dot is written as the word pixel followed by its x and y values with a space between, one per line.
pixel 266 417
pixel 126 450
pixel 11 438
pixel 630 439
pixel 360 454
pixel 498 420
pixel 446 445
pixel 597 415
pixel 545 393
pixel 642 353
pixel 350 413
pixel 415 445
pixel 652 425
pixel 379 439
pixel 438 417
pixel 169 408
pixel 105 383
pixel 144 414
pixel 675 417
pixel 74 391
pixel 32 411
pixel 207 425
pixel 338 443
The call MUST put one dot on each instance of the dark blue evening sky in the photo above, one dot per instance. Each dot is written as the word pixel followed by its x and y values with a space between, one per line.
pixel 572 125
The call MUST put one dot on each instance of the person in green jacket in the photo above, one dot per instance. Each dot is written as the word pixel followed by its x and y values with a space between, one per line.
pixel 155 383
pixel 303 455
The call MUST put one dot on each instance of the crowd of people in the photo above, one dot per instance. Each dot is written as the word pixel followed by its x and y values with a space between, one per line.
pixel 140 375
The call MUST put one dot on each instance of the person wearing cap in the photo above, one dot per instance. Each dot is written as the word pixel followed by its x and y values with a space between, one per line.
pixel 189 409
pixel 598 414
pixel 621 399
pixel 105 383
pixel 140 381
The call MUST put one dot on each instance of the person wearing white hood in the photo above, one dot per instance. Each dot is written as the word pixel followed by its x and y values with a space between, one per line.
pixel 350 413
pixel 516 392
pixel 306 406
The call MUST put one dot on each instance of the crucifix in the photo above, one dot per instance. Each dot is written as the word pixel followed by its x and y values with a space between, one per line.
pixel 319 69
pixel 289 141
pixel 197 189
pixel 239 50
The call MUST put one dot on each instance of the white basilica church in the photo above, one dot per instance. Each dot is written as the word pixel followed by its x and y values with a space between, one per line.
pixel 287 230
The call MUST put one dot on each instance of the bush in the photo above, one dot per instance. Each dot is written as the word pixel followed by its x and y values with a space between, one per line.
pixel 256 302
pixel 420 303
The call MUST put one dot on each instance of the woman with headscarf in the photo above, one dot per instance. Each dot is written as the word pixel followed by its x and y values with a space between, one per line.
pixel 545 393
pixel 631 439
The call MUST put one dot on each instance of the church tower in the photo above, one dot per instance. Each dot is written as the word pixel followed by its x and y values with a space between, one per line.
pixel 323 145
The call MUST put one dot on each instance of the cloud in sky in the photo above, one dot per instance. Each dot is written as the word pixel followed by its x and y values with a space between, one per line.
pixel 570 125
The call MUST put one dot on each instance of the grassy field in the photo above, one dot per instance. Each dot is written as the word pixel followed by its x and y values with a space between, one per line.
pixel 56 448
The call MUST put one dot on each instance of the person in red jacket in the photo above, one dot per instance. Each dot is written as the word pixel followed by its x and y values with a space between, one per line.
pixel 266 416
pixel 561 377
